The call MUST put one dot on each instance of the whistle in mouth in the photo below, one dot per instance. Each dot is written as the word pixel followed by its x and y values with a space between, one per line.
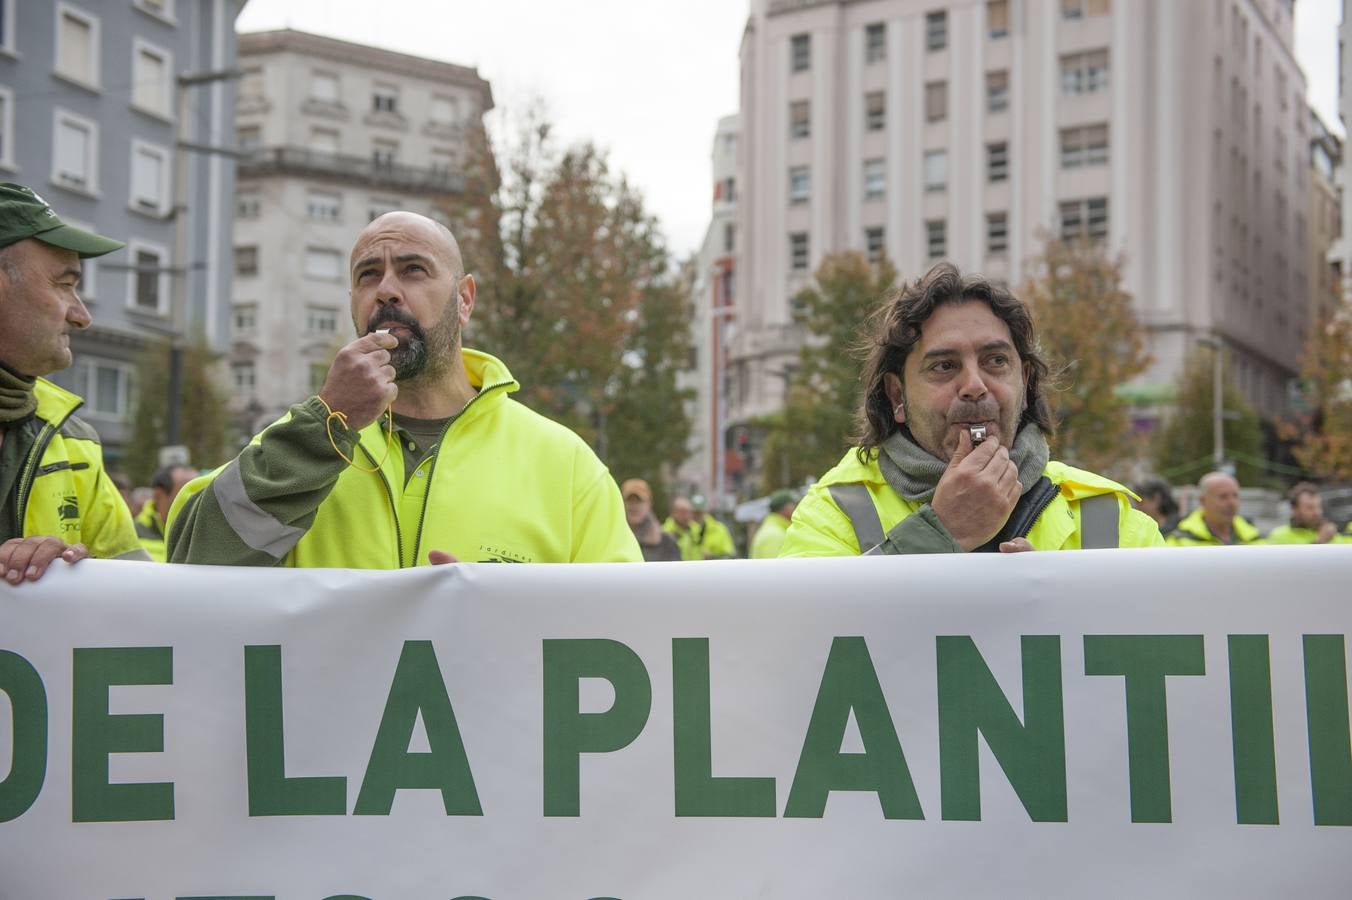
pixel 978 433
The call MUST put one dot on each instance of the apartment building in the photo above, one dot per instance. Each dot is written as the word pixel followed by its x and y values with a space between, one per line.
pixel 1325 218
pixel 1174 132
pixel 114 112
pixel 333 134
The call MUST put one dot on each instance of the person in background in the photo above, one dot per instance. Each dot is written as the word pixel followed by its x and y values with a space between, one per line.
pixel 774 528
pixel 1216 522
pixel 681 525
pixel 656 544
pixel 715 541
pixel 1307 525
pixel 164 485
pixel 1157 501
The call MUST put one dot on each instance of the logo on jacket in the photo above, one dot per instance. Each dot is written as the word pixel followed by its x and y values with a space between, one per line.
pixel 497 554
pixel 69 508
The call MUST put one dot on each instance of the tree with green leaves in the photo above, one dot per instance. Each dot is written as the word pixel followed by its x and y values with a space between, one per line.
pixel 1094 344
pixel 1183 447
pixel 815 428
pixel 203 415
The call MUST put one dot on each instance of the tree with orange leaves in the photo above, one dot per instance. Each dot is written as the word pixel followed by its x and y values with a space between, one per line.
pixel 1094 344
pixel 1323 435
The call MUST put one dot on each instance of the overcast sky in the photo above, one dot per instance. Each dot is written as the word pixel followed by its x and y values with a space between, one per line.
pixel 647 81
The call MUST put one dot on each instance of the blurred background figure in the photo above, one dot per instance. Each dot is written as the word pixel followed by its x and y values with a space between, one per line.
pixel 1216 522
pixel 656 544
pixel 1157 501
pixel 164 487
pixel 1307 525
pixel 681 525
pixel 715 541
pixel 770 534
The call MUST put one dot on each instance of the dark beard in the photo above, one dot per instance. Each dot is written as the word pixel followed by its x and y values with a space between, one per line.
pixel 417 355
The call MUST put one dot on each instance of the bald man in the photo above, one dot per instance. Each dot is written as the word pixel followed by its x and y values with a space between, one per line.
pixel 1216 522
pixel 412 453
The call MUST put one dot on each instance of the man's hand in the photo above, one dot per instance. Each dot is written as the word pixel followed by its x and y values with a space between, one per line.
pixel 440 557
pixel 29 557
pixel 1018 545
pixel 977 492
pixel 360 383
pixel 1326 532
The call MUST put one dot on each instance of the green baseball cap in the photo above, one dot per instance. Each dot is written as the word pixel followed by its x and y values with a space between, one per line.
pixel 23 215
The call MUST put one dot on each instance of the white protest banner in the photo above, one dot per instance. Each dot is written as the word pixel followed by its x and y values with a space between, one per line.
pixel 1163 723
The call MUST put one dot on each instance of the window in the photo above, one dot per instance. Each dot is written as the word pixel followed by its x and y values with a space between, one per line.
pixel 251 84
pixel 997 91
pixel 326 265
pixel 381 205
pixel 798 251
pixel 149 287
pixel 324 87
pixel 936 238
pixel 383 153
pixel 873 244
pixel 385 98
pixel 246 260
pixel 319 373
pixel 936 30
pixel 875 42
pixel 800 52
pixel 936 101
pixel 936 170
pixel 77 45
pixel 729 237
pixel 75 162
pixel 242 373
pixel 725 190
pixel 321 320
pixel 246 205
pixel 249 138
pixel 324 140
pixel 1084 219
pixel 149 178
pixel 6 123
pixel 800 184
pixel 162 9
pixel 997 19
pixel 443 160
pixel 997 234
pixel 875 179
pixel 799 119
pixel 324 206
pixel 1087 146
pixel 105 385
pixel 1084 73
pixel 445 110
pixel 244 317
pixel 7 25
pixel 997 162
pixel 1079 9
pixel 875 111
pixel 152 73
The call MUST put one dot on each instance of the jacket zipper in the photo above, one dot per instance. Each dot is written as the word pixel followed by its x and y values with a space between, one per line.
pixel 389 494
pixel 45 436
pixel 422 513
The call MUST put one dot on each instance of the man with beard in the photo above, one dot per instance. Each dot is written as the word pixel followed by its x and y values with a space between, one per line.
pixel 952 453
pixel 475 476
pixel 1308 525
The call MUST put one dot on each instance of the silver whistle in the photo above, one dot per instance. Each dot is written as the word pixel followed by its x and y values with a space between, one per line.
pixel 978 433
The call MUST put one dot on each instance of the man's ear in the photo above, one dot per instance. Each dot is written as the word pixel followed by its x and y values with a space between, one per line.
pixel 468 290
pixel 896 397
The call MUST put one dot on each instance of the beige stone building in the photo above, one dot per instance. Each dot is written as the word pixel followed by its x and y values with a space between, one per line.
pixel 1174 130
pixel 333 134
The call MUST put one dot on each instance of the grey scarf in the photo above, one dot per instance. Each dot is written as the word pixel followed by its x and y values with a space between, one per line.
pixel 913 473
pixel 17 400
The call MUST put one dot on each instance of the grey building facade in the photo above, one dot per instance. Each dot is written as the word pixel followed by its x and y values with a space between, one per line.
pixel 107 110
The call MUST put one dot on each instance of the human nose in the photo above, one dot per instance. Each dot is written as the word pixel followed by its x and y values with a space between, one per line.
pixel 971 385
pixel 77 314
pixel 389 290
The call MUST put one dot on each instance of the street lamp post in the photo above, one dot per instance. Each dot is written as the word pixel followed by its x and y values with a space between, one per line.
pixel 1217 400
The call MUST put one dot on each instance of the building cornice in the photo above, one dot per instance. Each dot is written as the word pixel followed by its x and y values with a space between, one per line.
pixel 258 43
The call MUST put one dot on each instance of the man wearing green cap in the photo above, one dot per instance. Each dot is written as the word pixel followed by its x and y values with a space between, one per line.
pixel 55 498
pixel 775 527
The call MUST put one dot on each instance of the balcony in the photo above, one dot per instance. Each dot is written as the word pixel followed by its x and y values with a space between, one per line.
pixel 357 170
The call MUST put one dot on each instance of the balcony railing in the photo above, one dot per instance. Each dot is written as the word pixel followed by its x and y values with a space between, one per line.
pixel 359 170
